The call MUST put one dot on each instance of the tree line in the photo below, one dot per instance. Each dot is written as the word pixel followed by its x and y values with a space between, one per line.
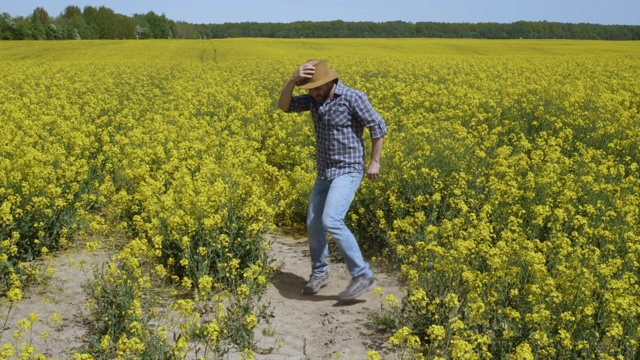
pixel 103 23
pixel 94 23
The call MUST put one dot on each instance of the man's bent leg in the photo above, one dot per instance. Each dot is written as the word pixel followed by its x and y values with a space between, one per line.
pixel 338 201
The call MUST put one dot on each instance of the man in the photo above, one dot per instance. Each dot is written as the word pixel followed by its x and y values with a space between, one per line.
pixel 339 115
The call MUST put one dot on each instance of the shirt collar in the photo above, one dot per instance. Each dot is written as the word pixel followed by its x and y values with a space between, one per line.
pixel 339 88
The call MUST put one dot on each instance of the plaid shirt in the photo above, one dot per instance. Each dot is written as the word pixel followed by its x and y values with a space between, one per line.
pixel 339 123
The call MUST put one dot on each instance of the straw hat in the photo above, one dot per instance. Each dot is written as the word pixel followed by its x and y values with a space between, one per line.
pixel 321 76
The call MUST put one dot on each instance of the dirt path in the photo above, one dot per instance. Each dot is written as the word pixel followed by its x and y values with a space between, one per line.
pixel 60 304
pixel 319 326
pixel 304 327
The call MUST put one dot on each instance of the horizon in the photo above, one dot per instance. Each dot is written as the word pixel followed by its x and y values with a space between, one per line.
pixel 617 12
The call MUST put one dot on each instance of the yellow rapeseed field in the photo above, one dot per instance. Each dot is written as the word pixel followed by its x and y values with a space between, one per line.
pixel 509 196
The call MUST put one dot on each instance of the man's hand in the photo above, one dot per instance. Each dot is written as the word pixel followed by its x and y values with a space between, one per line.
pixel 373 171
pixel 303 73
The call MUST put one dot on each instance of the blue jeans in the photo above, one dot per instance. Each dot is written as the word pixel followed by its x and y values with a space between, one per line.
pixel 328 204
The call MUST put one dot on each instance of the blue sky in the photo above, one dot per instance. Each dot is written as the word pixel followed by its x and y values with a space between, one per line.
pixel 622 12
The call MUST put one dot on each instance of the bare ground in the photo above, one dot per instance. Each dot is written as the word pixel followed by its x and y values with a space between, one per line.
pixel 303 327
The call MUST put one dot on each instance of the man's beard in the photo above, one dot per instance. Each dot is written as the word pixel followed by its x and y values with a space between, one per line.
pixel 320 98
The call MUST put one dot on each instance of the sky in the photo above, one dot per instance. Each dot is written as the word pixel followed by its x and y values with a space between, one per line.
pixel 606 12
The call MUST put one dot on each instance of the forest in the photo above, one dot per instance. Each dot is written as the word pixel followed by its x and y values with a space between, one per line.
pixel 102 22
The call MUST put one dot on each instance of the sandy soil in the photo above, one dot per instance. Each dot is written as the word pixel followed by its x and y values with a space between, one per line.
pixel 304 327
pixel 320 326
pixel 63 294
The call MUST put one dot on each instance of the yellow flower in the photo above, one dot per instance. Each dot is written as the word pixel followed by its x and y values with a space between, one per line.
pixel 250 321
pixel 243 291
pixel 522 351
pixel 204 285
pixel 78 356
pixel 436 333
pixel 392 300
pixel 212 331
pixel 105 342
pixel 248 354
pixel 129 346
pixel 373 355
pixel 7 351
pixel 14 294
pixel 186 283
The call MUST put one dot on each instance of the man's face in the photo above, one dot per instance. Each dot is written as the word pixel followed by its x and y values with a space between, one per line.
pixel 321 93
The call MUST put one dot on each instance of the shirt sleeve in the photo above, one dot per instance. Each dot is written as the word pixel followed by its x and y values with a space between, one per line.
pixel 365 113
pixel 300 103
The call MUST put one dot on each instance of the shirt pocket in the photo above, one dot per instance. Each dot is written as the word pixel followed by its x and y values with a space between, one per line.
pixel 338 115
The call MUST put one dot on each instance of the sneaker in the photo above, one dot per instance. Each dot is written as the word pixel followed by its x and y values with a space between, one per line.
pixel 358 286
pixel 315 283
